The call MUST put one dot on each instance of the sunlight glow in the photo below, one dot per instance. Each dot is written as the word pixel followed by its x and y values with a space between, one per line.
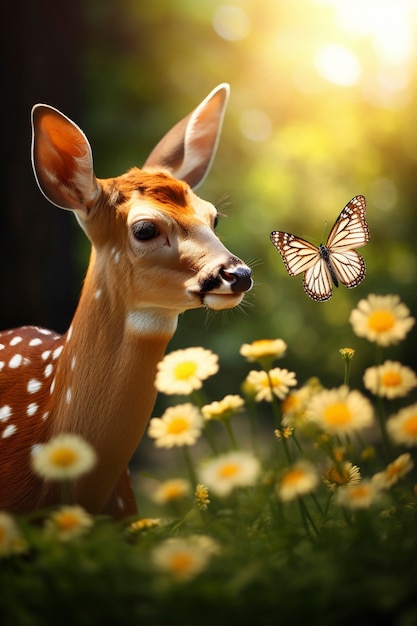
pixel 387 22
pixel 337 64
pixel 231 23
pixel 390 24
pixel 255 125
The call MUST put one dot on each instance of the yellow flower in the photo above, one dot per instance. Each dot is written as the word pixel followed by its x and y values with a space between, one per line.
pixel 279 379
pixel 231 470
pixel 63 457
pixel 346 474
pixel 179 426
pixel 183 371
pixel 143 524
pixel 359 496
pixel 184 558
pixel 69 522
pixel 381 319
pixel 394 471
pixel 300 479
pixel 347 354
pixel 171 490
pixel 340 411
pixel 391 379
pixel 402 427
pixel 284 433
pixel 202 497
pixel 223 409
pixel 264 351
pixel 11 540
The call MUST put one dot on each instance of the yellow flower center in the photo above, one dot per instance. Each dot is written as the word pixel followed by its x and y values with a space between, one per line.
pixel 392 471
pixel 359 492
pixel 391 379
pixel 173 492
pixel 67 521
pixel 275 381
pixel 337 414
pixel 290 403
pixel 184 370
pixel 293 477
pixel 181 562
pixel 177 425
pixel 410 426
pixel 228 470
pixel 381 321
pixel 338 478
pixel 63 457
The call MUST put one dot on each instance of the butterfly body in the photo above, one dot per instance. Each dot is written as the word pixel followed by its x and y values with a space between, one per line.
pixel 325 255
pixel 332 263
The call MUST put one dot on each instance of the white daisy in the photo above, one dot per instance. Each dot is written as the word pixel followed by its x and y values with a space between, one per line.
pixel 340 411
pixel 231 470
pixel 64 457
pixel 391 379
pixel 183 371
pixel 179 426
pixel 299 479
pixel 384 320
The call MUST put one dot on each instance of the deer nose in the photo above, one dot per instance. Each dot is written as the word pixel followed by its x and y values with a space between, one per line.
pixel 239 278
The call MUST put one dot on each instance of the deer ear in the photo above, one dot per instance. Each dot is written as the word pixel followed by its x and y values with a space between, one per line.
pixel 188 149
pixel 62 161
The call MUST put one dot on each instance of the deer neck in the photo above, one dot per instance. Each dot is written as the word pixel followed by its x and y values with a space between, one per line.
pixel 104 384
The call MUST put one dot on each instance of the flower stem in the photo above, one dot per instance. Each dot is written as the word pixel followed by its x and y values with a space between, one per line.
pixel 190 466
pixel 231 434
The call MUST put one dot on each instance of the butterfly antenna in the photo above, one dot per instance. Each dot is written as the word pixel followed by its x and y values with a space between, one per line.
pixel 324 230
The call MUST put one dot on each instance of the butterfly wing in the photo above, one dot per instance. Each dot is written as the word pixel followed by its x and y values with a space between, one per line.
pixel 317 281
pixel 298 255
pixel 349 267
pixel 349 231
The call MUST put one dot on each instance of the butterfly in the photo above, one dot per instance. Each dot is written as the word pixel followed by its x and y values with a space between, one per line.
pixel 334 262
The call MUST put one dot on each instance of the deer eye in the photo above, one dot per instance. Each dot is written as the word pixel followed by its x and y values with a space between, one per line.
pixel 215 222
pixel 145 230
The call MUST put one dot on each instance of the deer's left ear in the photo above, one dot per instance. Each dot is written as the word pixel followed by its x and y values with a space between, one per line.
pixel 188 149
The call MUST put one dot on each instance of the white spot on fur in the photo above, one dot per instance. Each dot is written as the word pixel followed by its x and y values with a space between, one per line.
pixel 97 294
pixel 73 361
pixel 44 331
pixel 32 408
pixel 69 334
pixel 15 361
pixel 56 353
pixel 117 257
pixel 48 370
pixel 2 364
pixel 35 342
pixel 5 413
pixel 45 355
pixel 151 322
pixel 45 415
pixel 9 430
pixel 52 386
pixel 68 395
pixel 2 346
pixel 34 385
pixel 15 341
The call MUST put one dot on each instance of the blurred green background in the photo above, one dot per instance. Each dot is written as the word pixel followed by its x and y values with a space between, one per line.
pixel 322 108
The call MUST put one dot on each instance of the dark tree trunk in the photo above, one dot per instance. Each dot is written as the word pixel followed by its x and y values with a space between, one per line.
pixel 41 53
